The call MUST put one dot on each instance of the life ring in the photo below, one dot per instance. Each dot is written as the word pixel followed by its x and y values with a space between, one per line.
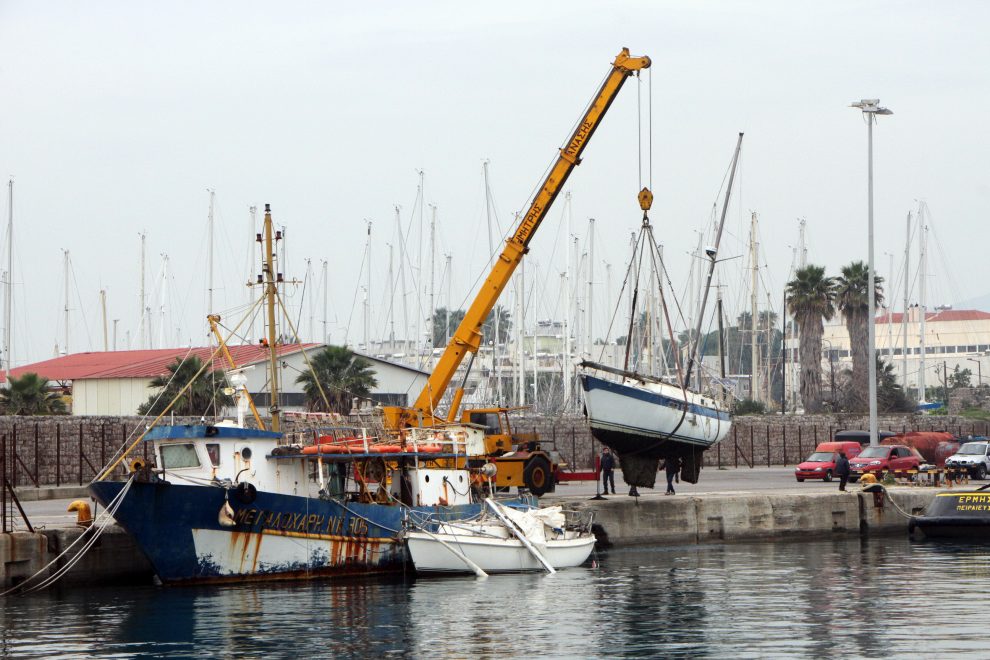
pixel 246 492
pixel 138 464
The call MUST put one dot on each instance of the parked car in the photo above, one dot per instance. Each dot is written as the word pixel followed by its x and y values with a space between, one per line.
pixel 821 464
pixel 973 457
pixel 889 458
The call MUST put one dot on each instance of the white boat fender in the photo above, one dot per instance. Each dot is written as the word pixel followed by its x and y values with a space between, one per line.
pixel 226 515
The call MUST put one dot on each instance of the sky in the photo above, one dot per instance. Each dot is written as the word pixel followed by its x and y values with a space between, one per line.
pixel 116 118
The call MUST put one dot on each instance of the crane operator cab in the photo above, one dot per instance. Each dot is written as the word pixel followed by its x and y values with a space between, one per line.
pixel 520 461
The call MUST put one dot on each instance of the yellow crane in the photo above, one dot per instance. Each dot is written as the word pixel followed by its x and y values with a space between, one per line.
pixel 528 467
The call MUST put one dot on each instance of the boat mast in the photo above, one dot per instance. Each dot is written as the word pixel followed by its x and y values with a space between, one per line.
pixel 9 281
pixel 589 331
pixel 209 253
pixel 754 381
pixel 922 275
pixel 162 338
pixel 103 307
pixel 712 258
pixel 433 276
pixel 142 331
pixel 904 316
pixel 367 288
pixel 417 335
pixel 566 286
pixel 65 269
pixel 326 283
pixel 268 269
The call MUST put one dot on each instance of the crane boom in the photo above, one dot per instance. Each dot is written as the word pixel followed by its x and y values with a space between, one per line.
pixel 467 338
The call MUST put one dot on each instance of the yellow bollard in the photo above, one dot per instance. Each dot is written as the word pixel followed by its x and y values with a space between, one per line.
pixel 84 515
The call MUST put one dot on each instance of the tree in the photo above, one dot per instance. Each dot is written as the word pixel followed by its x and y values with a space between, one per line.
pixel 204 393
pixel 342 375
pixel 852 299
pixel 890 394
pixel 504 326
pixel 29 395
pixel 811 301
pixel 445 324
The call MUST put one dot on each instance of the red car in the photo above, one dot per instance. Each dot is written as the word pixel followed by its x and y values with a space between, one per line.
pixel 890 458
pixel 821 464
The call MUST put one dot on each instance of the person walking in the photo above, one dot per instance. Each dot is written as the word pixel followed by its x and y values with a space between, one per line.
pixel 672 466
pixel 608 470
pixel 842 469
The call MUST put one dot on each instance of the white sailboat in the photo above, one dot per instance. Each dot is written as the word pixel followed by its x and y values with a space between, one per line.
pixel 643 418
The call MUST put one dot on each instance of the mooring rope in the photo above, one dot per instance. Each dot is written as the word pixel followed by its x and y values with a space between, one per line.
pixel 90 535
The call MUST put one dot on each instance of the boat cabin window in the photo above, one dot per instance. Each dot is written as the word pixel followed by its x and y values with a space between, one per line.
pixel 179 456
pixel 213 451
pixel 489 421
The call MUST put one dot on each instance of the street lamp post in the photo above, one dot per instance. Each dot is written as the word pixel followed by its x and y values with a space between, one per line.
pixel 871 108
pixel 979 371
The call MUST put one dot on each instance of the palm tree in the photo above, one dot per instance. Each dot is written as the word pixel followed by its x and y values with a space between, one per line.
pixel 852 299
pixel 811 300
pixel 204 393
pixel 29 395
pixel 342 375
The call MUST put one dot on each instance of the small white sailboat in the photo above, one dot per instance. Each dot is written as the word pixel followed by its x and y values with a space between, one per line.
pixel 503 540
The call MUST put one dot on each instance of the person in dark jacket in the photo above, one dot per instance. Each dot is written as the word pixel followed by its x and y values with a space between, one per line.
pixel 671 466
pixel 842 469
pixel 608 470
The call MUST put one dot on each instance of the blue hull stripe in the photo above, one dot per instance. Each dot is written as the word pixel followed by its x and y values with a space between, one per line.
pixel 593 383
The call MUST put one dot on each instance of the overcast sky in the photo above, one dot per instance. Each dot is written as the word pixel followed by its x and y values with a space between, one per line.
pixel 116 117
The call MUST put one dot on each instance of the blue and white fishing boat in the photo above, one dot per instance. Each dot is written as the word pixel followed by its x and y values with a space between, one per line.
pixel 224 502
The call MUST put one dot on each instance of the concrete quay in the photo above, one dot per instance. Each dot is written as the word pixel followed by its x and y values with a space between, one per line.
pixel 742 516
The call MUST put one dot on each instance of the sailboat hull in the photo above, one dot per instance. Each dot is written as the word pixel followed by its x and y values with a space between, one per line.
pixel 651 422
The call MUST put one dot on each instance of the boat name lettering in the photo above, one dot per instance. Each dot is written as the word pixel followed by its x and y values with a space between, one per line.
pixel 974 499
pixel 301 522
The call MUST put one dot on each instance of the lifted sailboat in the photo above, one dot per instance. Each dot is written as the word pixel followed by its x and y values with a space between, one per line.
pixel 643 418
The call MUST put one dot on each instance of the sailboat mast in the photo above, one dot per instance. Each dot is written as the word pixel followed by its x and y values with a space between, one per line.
pixel 591 286
pixel 65 269
pixel 142 331
pixel 712 257
pixel 209 254
pixel 566 287
pixel 922 276
pixel 9 282
pixel 268 269
pixel 433 274
pixel 103 307
pixel 904 316
pixel 326 284
pixel 754 383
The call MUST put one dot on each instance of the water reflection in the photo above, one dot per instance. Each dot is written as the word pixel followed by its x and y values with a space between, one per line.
pixel 818 599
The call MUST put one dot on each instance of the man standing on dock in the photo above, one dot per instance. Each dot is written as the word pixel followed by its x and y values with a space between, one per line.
pixel 608 470
pixel 842 469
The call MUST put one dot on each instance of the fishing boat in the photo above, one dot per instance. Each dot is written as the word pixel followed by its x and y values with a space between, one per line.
pixel 503 540
pixel 645 418
pixel 225 502
pixel 964 514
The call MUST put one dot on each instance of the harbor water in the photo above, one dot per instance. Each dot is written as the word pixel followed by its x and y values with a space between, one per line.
pixel 878 597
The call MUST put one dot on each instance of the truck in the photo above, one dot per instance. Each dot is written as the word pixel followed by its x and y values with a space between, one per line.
pixel 519 460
